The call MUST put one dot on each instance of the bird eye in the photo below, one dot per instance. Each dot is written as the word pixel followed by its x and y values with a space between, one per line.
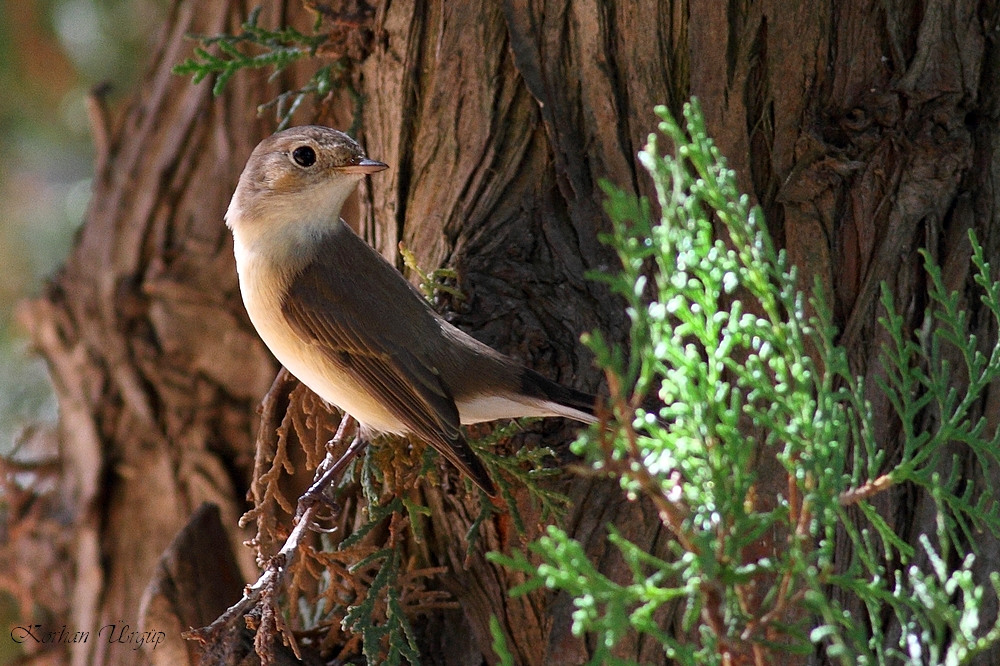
pixel 304 156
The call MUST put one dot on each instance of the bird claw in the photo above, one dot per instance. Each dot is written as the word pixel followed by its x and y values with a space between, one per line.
pixel 317 492
pixel 314 496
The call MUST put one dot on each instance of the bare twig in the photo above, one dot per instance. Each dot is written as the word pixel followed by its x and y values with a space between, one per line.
pixel 100 125
pixel 272 578
pixel 855 495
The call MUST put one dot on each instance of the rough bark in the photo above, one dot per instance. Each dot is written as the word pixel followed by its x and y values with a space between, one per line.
pixel 155 366
pixel 865 129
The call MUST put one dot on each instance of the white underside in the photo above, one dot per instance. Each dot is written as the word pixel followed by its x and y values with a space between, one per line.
pixel 482 408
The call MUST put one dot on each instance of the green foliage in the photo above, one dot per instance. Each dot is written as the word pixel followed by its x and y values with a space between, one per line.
pixel 526 469
pixel 392 640
pixel 924 369
pixel 259 48
pixel 433 282
pixel 499 643
pixel 744 368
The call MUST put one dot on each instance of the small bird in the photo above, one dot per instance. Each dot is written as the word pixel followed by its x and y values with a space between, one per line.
pixel 348 325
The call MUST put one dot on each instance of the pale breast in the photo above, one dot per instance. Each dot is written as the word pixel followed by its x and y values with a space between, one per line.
pixel 263 290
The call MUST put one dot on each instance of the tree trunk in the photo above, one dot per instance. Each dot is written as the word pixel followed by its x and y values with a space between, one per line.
pixel 865 130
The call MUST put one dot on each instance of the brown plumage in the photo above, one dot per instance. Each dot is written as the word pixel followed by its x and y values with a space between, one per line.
pixel 346 322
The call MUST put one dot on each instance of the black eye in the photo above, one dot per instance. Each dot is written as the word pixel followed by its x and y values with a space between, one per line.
pixel 304 156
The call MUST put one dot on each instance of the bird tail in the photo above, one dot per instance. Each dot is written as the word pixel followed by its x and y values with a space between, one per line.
pixel 560 400
pixel 457 451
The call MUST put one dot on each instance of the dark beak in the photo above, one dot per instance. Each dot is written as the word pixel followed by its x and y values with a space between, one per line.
pixel 364 165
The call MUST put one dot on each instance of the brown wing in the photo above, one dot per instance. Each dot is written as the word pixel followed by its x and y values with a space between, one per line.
pixel 366 317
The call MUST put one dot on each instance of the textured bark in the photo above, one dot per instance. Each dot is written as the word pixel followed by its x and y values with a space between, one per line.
pixel 156 368
pixel 865 129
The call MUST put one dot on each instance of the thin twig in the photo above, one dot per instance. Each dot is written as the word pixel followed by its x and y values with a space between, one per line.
pixel 672 511
pixel 273 575
pixel 100 125
pixel 855 495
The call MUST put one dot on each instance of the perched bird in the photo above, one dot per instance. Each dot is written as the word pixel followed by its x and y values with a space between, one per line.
pixel 347 324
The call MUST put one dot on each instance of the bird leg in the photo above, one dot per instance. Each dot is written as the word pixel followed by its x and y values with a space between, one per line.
pixel 329 469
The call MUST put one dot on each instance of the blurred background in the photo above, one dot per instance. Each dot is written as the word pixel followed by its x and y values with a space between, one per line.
pixel 52 53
